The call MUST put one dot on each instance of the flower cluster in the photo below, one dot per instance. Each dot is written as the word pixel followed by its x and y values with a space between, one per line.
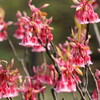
pixel 34 31
pixel 31 87
pixel 64 74
pixel 85 13
pixel 8 80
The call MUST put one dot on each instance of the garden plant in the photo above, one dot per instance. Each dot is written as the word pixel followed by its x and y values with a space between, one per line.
pixel 70 62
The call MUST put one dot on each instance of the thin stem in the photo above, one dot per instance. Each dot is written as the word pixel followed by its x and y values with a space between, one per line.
pixel 18 58
pixel 44 61
pixel 95 82
pixel 43 96
pixel 39 98
pixel 56 66
pixel 22 95
pixel 85 82
pixel 97 33
pixel 24 68
pixel 53 94
pixel 43 58
pixel 86 77
pixel 26 57
pixel 11 98
pixel 8 98
pixel 87 32
pixel 74 96
pixel 78 88
pixel 53 49
pixel 88 94
pixel 63 99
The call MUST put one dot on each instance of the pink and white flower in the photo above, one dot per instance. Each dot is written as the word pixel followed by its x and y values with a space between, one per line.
pixel 34 31
pixel 85 13
pixel 8 81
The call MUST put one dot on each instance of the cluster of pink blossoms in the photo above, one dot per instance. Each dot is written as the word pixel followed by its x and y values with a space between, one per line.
pixel 48 75
pixel 8 80
pixel 71 57
pixel 31 87
pixel 85 13
pixel 34 31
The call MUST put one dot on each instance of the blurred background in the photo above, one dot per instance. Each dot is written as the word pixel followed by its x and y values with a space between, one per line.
pixel 62 14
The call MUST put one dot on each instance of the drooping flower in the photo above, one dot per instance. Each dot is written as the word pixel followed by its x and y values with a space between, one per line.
pixel 95 4
pixel 65 84
pixel 46 74
pixel 31 87
pixel 81 54
pixel 3 26
pixel 85 13
pixel 8 81
pixel 34 30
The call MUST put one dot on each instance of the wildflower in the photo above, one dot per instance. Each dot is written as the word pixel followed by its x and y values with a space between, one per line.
pixel 85 13
pixel 31 87
pixel 34 31
pixel 65 84
pixel 47 74
pixel 23 25
pixel 8 81
pixel 3 31
pixel 81 54
pixel 95 4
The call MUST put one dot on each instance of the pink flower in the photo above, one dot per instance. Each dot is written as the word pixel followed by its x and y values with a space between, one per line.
pixel 65 84
pixel 28 40
pixel 34 31
pixel 31 87
pixel 19 33
pixel 94 95
pixel 85 13
pixel 95 4
pixel 38 48
pixel 81 54
pixel 47 74
pixel 3 32
pixel 23 25
pixel 8 81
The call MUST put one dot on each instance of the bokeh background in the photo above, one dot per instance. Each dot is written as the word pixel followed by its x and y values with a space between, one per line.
pixel 63 17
